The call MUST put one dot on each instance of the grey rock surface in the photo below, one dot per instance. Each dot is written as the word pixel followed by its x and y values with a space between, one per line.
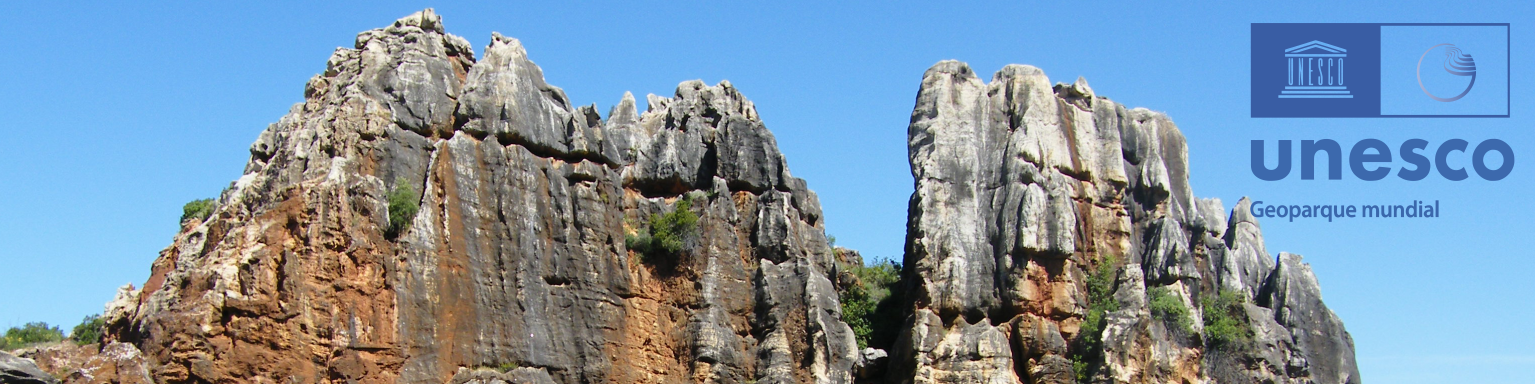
pixel 1023 190
pixel 1245 263
pixel 1316 334
pixel 16 370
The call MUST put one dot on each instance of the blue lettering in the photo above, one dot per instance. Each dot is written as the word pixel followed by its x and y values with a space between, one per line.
pixel 1479 160
pixel 1412 157
pixel 1357 159
pixel 1280 170
pixel 1360 157
pixel 1308 150
pixel 1444 166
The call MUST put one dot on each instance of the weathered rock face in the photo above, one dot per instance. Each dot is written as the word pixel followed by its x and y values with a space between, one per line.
pixel 518 267
pixel 91 363
pixel 16 370
pixel 1024 188
pixel 518 255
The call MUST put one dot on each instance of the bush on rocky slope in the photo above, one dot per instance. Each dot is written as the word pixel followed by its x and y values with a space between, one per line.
pixel 1100 301
pixel 198 209
pixel 1224 328
pixel 669 234
pixel 868 305
pixel 31 333
pixel 1167 307
pixel 89 331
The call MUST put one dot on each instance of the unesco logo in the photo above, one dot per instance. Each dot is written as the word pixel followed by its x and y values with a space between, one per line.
pixel 1456 64
pixel 1380 70
pixel 1315 71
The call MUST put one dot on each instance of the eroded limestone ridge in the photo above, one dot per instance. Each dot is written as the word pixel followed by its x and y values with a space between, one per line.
pixel 1050 235
pixel 1025 191
pixel 516 267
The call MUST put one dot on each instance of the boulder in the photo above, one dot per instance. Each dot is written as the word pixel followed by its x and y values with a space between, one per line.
pixel 17 370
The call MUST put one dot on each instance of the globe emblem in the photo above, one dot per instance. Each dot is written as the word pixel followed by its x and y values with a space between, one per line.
pixel 1446 75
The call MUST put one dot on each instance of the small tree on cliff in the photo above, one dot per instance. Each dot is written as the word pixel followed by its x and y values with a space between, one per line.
pixel 404 202
pixel 669 234
pixel 198 209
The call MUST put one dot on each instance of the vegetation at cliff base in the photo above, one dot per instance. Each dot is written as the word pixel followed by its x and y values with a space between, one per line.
pixel 1100 301
pixel 1167 307
pixel 89 331
pixel 404 202
pixel 29 334
pixel 869 303
pixel 198 209
pixel 1224 328
pixel 669 234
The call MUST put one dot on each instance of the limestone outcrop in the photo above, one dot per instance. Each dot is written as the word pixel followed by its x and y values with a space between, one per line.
pixel 517 256
pixel 1025 189
pixel 429 216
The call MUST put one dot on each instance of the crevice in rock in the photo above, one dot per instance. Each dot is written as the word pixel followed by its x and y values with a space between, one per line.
pixel 577 178
pixel 556 280
pixel 745 186
pixel 659 188
pixel 709 166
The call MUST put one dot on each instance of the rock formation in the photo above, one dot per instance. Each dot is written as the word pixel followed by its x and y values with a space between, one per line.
pixel 90 363
pixel 427 216
pixel 1024 189
pixel 17 370
pixel 517 257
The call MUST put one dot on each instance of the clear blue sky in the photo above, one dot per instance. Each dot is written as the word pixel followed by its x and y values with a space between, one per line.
pixel 114 116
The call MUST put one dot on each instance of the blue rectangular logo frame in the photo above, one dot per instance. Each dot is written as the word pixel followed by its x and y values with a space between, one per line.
pixel 1335 70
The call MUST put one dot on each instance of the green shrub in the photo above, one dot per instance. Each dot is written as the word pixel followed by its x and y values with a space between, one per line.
pixel 868 305
pixel 856 309
pixel 198 209
pixel 1167 307
pixel 669 234
pixel 507 367
pixel 1100 301
pixel 31 333
pixel 638 242
pixel 1223 325
pixel 403 204
pixel 89 331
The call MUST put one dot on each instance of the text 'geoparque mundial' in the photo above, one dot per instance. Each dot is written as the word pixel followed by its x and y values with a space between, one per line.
pixel 1361 156
pixel 1417 209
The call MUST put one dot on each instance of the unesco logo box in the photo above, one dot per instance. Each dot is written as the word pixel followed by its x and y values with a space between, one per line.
pixel 1380 70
